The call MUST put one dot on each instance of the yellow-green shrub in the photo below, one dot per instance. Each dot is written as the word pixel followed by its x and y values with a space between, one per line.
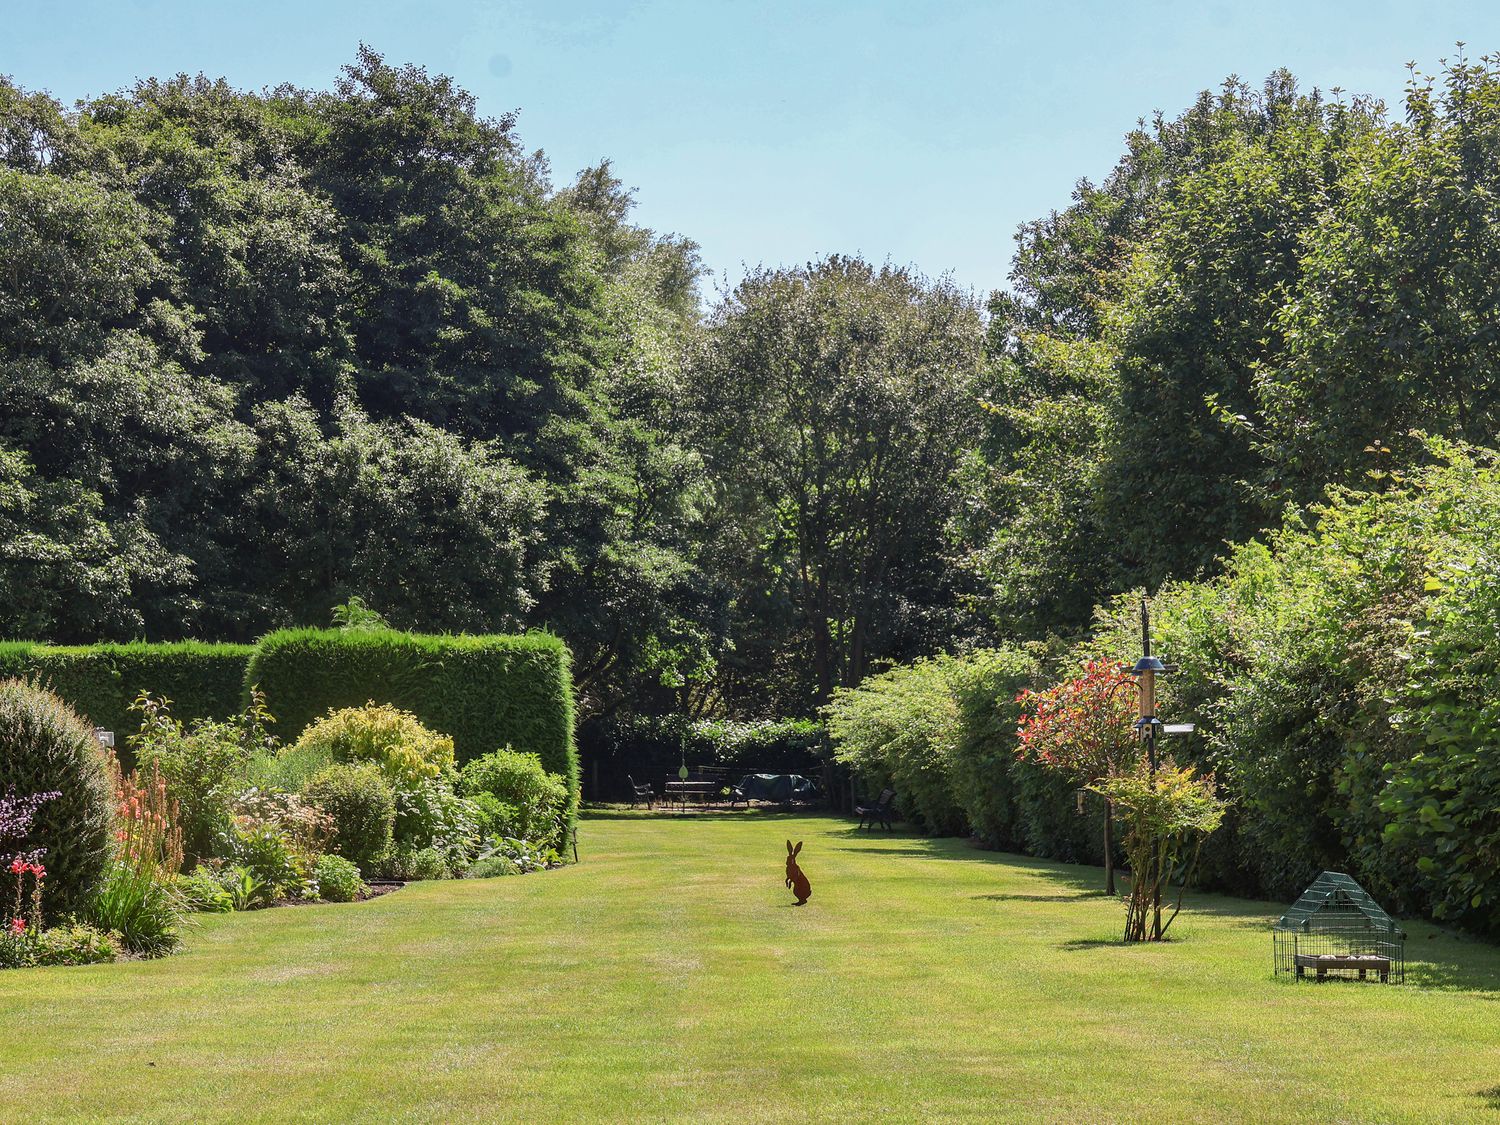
pixel 405 751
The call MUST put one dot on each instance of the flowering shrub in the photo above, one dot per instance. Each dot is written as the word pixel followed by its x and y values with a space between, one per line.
pixel 1083 729
pixel 1082 726
pixel 139 897
pixel 16 817
pixel 204 765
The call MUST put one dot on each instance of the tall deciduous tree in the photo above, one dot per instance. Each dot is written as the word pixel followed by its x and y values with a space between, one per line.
pixel 836 400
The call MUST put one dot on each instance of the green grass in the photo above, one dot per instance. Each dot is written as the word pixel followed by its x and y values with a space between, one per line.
pixel 668 978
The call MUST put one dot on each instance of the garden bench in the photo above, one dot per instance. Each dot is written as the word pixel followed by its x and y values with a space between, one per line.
pixel 879 812
pixel 639 793
pixel 1323 963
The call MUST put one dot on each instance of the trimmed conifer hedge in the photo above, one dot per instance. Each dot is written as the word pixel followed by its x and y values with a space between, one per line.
pixel 101 681
pixel 486 692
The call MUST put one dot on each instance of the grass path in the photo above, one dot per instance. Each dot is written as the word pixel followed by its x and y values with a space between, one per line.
pixel 668 978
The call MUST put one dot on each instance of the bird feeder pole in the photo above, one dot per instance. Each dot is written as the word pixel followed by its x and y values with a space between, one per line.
pixel 1145 670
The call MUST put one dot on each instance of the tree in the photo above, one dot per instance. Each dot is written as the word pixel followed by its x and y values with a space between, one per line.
pixel 1169 811
pixel 835 401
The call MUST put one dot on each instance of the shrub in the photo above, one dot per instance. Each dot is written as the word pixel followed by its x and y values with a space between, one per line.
pixel 45 747
pixel 204 765
pixel 338 880
pixel 362 807
pixel 413 864
pixel 983 756
pixel 245 891
pixel 482 691
pixel 492 866
pixel 274 859
pixel 75 943
pixel 202 891
pixel 1440 802
pixel 406 752
pixel 203 681
pixel 524 855
pixel 516 796
pixel 72 943
pixel 900 728
pixel 1167 812
pixel 288 770
pixel 432 815
pixel 307 827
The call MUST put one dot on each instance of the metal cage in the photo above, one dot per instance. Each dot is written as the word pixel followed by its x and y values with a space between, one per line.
pixel 1337 930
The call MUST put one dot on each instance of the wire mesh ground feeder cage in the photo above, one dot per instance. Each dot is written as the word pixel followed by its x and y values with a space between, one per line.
pixel 1337 930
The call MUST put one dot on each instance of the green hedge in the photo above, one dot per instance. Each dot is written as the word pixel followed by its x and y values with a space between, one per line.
pixel 15 658
pixel 487 692
pixel 100 681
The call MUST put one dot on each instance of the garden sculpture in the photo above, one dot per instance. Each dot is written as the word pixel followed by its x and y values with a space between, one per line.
pixel 795 879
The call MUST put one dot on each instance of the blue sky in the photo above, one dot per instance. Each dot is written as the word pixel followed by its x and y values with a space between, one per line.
pixel 778 132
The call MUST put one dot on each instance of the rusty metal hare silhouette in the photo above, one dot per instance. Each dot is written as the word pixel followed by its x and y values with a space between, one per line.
pixel 795 879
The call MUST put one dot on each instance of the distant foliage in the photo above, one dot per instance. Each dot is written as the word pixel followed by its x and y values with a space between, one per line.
pixel 649 747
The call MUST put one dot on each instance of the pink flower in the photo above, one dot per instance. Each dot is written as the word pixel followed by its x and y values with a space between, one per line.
pixel 18 926
pixel 17 866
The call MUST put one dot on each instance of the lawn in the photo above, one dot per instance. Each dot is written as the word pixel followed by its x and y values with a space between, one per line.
pixel 668 977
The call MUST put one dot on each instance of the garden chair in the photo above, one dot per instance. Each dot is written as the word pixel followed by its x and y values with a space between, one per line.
pixel 639 793
pixel 880 811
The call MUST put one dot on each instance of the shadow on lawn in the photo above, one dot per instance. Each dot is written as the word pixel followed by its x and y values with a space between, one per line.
pixel 694 815
pixel 1081 896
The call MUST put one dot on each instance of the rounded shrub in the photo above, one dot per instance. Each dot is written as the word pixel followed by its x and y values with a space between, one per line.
pixel 407 752
pixel 45 747
pixel 363 808
pixel 413 864
pixel 338 879
pixel 515 795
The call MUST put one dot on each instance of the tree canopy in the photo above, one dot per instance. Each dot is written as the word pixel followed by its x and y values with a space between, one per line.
pixel 264 352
